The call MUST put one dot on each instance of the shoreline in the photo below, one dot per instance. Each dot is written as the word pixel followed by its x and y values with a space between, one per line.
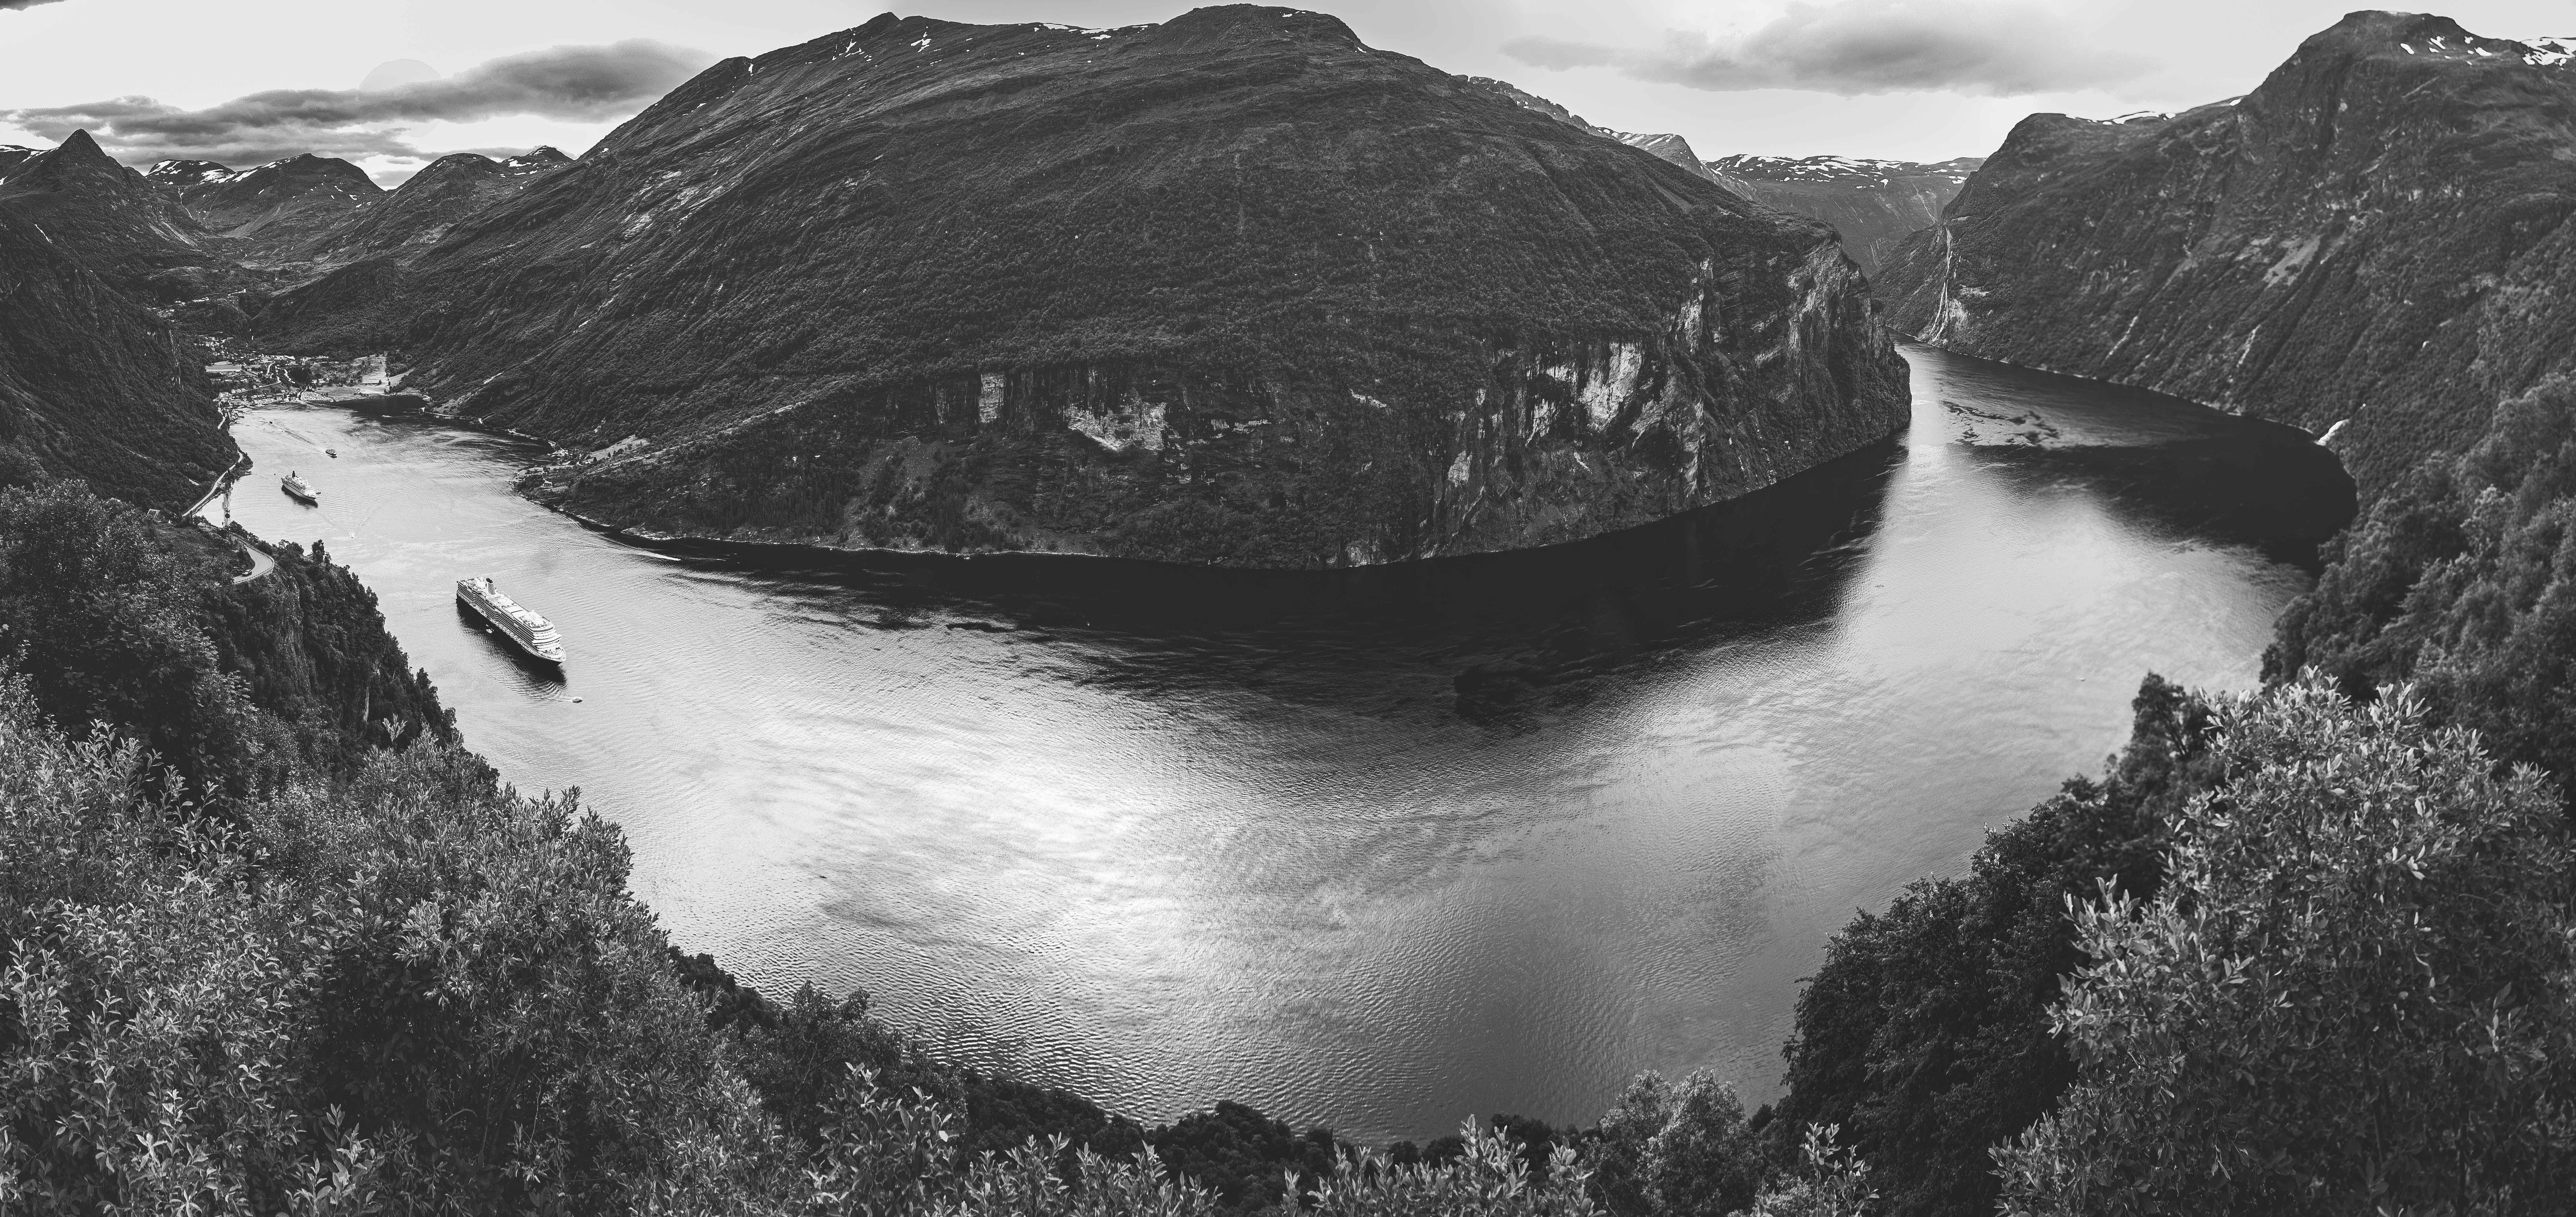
pixel 1870 463
pixel 222 480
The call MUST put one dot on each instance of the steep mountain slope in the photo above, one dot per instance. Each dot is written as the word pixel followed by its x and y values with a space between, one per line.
pixel 1234 288
pixel 270 213
pixel 92 385
pixel 1669 148
pixel 12 156
pixel 1873 204
pixel 109 219
pixel 404 222
pixel 2376 236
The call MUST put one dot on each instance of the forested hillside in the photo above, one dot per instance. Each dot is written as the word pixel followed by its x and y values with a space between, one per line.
pixel 2304 935
pixel 272 941
pixel 2375 238
pixel 91 384
pixel 1231 289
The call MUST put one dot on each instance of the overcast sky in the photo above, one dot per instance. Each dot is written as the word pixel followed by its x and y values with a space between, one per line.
pixel 243 81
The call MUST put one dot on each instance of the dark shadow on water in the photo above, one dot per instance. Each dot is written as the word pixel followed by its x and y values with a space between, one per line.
pixel 2184 466
pixel 1541 617
pixel 2270 489
pixel 538 671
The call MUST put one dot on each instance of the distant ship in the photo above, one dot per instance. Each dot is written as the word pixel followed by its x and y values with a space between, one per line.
pixel 532 633
pixel 300 488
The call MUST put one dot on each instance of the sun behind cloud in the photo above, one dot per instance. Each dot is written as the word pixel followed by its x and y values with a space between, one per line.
pixel 395 73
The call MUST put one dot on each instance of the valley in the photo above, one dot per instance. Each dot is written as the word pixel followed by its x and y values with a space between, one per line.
pixel 1037 804
pixel 1156 615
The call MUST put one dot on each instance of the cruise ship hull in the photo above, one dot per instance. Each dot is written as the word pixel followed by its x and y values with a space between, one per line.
pixel 546 651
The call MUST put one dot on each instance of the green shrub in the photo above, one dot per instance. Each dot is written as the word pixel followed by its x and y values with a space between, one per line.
pixel 2356 991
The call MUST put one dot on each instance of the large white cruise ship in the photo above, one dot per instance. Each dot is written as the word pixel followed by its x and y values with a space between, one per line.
pixel 532 633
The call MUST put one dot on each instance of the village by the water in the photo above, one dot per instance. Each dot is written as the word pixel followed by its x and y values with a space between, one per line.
pixel 246 379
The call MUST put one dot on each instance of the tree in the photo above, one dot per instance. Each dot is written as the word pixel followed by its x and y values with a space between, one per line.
pixel 2462 581
pixel 1677 1150
pixel 2356 992
pixel 1925 1035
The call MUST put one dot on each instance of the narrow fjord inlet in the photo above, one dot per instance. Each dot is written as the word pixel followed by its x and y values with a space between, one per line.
pixel 1378 849
pixel 1055 608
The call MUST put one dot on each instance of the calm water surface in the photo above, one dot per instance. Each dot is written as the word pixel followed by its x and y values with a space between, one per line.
pixel 1170 836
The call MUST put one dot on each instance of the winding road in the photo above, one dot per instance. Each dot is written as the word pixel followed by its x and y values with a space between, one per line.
pixel 260 562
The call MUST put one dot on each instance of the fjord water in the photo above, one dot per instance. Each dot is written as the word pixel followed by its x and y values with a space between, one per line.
pixel 1170 836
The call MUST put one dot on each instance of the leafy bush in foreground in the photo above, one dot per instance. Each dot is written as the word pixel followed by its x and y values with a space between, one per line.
pixel 417 992
pixel 2355 993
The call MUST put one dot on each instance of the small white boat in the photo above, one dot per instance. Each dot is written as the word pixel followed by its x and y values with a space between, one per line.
pixel 299 488
pixel 521 625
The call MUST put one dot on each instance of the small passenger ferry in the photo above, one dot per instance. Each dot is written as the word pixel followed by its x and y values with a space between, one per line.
pixel 299 488
pixel 522 626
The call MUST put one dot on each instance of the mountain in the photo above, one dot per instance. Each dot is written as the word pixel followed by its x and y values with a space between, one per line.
pixel 2376 238
pixel 1669 148
pixel 1230 289
pixel 12 155
pixel 279 207
pixel 108 219
pixel 403 222
pixel 1874 204
pixel 180 176
pixel 92 385
pixel 540 159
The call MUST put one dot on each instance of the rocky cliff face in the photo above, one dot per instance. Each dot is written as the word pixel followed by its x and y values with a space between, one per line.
pixel 402 223
pixel 2374 241
pixel 1234 288
pixel 1873 204
pixel 94 386
pixel 108 219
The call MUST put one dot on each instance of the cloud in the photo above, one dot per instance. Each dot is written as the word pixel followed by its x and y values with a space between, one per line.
pixel 572 83
pixel 1854 47
pixel 10 4
pixel 395 73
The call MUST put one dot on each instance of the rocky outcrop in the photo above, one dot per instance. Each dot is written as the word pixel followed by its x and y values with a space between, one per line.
pixel 402 223
pixel 92 385
pixel 2373 243
pixel 1235 288
pixel 1873 204
pixel 107 218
